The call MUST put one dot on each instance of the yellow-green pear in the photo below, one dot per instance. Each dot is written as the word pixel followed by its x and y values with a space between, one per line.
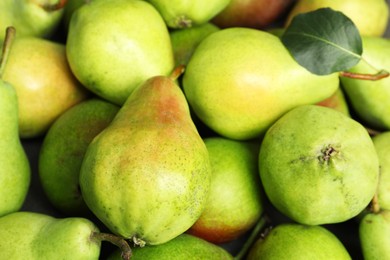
pixel 370 99
pixel 241 80
pixel 114 46
pixel 147 175
pixel 371 17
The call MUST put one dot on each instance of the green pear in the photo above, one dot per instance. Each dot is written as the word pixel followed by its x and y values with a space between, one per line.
pixel 114 46
pixel 44 83
pixel 382 146
pixel 370 17
pixel 240 80
pixel 31 18
pixel 182 247
pixel 318 166
pixel 34 236
pixel 298 242
pixel 184 14
pixel 336 101
pixel 374 234
pixel 235 198
pixel 63 149
pixel 370 99
pixel 15 167
pixel 147 175
pixel 185 41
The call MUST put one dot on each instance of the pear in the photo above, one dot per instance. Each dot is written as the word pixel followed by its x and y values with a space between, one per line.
pixel 31 18
pixel 318 166
pixel 34 236
pixel 374 235
pixel 370 17
pixel 44 83
pixel 63 149
pixel 184 14
pixel 336 101
pixel 370 99
pixel 184 246
pixel 258 14
pixel 14 165
pixel 185 41
pixel 382 146
pixel 147 175
pixel 241 80
pixel 112 49
pixel 235 199
pixel 295 242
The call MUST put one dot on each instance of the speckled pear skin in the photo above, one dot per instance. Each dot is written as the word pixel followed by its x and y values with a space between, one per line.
pixel 34 236
pixel 147 175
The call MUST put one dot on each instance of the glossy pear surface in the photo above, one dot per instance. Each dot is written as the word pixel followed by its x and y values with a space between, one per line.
pixel 112 49
pixel 240 80
pixel 45 86
pixel 147 175
pixel 318 166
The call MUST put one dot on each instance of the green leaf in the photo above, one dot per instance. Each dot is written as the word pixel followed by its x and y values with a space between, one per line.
pixel 323 41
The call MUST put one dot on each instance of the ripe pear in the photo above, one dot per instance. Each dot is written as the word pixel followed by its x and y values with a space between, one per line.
pixel 184 14
pixel 32 235
pixel 14 165
pixel 44 83
pixel 382 146
pixel 31 18
pixel 370 16
pixel 318 166
pixel 240 80
pixel 184 246
pixel 374 234
pixel 336 101
pixel 63 149
pixel 147 175
pixel 298 242
pixel 112 49
pixel 235 198
pixel 370 99
pixel 185 41
pixel 257 14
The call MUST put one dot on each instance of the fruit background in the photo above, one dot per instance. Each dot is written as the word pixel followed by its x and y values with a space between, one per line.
pixel 37 201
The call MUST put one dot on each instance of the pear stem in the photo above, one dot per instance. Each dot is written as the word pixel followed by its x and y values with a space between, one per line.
pixel 252 238
pixel 116 240
pixel 54 7
pixel 380 75
pixel 375 207
pixel 9 37
pixel 176 73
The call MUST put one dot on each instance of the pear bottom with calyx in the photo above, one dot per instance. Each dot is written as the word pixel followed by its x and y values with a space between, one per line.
pixel 291 241
pixel 147 175
pixel 374 234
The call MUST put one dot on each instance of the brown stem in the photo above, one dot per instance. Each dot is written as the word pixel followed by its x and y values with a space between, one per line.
pixel 9 37
pixel 54 7
pixel 177 72
pixel 380 75
pixel 375 207
pixel 372 132
pixel 116 240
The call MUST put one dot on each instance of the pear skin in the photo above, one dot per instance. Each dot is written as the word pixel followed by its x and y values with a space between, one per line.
pixel 291 241
pixel 32 235
pixel 318 166
pixel 147 175
pixel 184 246
pixel 336 101
pixel 63 149
pixel 370 17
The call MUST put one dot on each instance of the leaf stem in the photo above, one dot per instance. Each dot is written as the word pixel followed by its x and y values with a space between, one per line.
pixel 116 240
pixel 9 37
pixel 362 76
pixel 252 238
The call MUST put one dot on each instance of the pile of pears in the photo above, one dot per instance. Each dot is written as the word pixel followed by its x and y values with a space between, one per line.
pixel 174 129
